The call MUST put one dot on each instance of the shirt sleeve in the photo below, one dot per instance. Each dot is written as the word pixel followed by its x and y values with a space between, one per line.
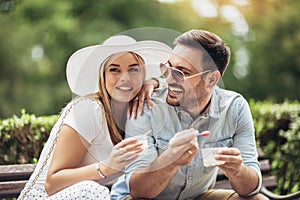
pixel 85 118
pixel 245 139
pixel 119 190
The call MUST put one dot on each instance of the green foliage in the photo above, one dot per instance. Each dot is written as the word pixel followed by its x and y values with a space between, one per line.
pixel 22 138
pixel 61 27
pixel 274 63
pixel 278 134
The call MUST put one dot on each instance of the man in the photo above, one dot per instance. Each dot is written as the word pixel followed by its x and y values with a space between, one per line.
pixel 173 166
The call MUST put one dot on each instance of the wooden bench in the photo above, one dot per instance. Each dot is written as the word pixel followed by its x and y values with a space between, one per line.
pixel 14 177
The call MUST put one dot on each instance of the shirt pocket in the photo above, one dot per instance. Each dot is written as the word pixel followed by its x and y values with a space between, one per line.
pixel 160 143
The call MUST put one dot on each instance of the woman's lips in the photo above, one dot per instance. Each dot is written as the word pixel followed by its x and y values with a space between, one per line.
pixel 124 88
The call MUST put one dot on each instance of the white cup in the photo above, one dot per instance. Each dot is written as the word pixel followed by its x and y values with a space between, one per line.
pixel 142 139
pixel 208 155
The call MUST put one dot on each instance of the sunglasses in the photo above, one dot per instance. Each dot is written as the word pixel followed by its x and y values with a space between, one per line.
pixel 177 75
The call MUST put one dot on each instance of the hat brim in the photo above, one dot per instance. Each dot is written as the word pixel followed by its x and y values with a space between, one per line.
pixel 83 66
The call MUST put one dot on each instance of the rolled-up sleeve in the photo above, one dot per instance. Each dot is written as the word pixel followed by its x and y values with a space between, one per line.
pixel 245 139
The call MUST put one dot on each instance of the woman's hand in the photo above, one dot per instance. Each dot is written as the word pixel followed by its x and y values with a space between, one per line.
pixel 139 101
pixel 121 155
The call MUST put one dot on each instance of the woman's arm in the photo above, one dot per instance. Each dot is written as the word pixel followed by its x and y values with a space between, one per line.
pixel 69 152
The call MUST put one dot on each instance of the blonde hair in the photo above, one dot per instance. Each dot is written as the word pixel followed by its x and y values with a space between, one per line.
pixel 116 134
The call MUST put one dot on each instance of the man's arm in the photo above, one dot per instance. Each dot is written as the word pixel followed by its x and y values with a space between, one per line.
pixel 243 179
pixel 241 166
pixel 150 181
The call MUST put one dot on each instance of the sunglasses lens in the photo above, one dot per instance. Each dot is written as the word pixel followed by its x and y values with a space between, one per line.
pixel 164 70
pixel 177 75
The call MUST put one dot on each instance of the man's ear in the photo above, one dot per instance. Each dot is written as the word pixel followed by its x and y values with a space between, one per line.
pixel 213 78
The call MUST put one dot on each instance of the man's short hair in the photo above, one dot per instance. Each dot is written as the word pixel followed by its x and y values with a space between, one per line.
pixel 215 51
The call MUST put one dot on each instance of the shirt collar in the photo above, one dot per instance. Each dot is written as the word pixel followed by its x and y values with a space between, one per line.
pixel 214 104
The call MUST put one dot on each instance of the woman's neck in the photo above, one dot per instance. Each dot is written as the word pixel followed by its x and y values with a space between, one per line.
pixel 119 110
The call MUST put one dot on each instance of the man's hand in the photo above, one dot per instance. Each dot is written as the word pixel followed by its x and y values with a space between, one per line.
pixel 233 161
pixel 155 177
pixel 183 147
pixel 243 179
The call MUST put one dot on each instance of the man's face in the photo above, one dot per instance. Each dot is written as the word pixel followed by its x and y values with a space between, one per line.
pixel 191 91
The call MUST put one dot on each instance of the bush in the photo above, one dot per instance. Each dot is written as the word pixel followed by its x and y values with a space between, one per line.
pixel 277 130
pixel 278 134
pixel 22 138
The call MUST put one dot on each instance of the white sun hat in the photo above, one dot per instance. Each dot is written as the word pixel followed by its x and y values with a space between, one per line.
pixel 83 66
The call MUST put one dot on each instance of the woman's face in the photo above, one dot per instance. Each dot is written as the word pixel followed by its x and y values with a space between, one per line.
pixel 123 77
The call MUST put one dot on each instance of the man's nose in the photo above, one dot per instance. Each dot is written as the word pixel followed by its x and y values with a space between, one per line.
pixel 170 78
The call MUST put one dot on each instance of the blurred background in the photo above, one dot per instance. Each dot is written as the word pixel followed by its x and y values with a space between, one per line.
pixel 38 36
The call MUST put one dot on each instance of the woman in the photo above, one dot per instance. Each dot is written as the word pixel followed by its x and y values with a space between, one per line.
pixel 85 151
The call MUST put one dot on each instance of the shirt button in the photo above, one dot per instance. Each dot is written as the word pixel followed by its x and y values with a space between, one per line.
pixel 190 177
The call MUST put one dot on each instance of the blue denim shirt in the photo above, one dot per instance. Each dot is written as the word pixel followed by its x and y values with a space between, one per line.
pixel 229 120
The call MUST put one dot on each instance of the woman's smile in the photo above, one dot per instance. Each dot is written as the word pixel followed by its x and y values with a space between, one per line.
pixel 125 88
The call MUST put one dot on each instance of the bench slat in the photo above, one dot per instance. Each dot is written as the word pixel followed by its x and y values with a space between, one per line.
pixel 10 189
pixel 16 172
pixel 270 182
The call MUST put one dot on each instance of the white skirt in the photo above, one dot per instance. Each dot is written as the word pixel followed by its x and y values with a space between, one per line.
pixel 80 191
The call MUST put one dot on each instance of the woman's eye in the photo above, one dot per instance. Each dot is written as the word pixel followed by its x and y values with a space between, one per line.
pixel 134 70
pixel 114 69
